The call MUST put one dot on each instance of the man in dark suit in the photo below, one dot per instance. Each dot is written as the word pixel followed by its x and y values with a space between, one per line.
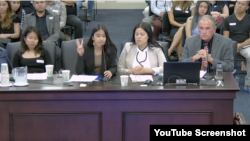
pixel 48 24
pixel 217 47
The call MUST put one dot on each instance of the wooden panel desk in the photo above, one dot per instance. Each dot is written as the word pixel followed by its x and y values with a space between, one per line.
pixel 52 111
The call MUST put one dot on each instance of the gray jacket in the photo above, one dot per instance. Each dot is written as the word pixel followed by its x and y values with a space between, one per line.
pixel 222 51
pixel 52 23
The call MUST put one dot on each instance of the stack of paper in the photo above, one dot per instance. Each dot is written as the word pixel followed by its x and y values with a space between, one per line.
pixel 141 78
pixel 82 78
pixel 36 76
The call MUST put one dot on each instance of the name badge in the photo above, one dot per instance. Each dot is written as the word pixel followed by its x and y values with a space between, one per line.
pixel 209 54
pixel 215 5
pixel 186 11
pixel 40 61
pixel 56 11
pixel 50 18
pixel 232 23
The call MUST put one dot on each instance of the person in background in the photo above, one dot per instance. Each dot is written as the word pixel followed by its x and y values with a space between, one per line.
pixel 90 58
pixel 191 28
pixel 32 53
pixel 144 55
pixel 9 23
pixel 158 7
pixel 237 28
pixel 58 8
pixel 16 7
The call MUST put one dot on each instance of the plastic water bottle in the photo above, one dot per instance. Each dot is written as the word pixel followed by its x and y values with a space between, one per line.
pixel 219 71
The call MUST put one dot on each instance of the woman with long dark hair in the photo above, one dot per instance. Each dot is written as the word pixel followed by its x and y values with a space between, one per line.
pixel 91 58
pixel 143 55
pixel 32 53
pixel 191 28
pixel 16 7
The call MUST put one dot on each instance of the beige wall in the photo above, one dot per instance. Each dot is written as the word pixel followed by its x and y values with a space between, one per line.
pixel 119 4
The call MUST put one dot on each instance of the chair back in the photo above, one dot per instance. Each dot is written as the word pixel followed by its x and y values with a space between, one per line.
pixel 69 55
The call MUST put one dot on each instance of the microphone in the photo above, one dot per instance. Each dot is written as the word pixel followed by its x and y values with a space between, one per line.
pixel 1 51
pixel 104 78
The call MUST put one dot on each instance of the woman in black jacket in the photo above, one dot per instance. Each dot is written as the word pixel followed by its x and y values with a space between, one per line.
pixel 91 58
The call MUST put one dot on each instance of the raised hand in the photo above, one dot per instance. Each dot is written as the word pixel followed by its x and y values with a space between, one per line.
pixel 80 48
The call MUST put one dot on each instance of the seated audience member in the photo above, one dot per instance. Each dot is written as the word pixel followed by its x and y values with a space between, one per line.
pixel 208 44
pixel 9 23
pixel 219 9
pixel 178 13
pixel 58 8
pixel 17 9
pixel 91 59
pixel 48 24
pixel 158 7
pixel 191 28
pixel 231 5
pixel 72 18
pixel 237 28
pixel 144 55
pixel 32 53
pixel 28 6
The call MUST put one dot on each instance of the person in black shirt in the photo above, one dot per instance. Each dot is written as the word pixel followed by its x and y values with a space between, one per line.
pixel 237 28
pixel 90 58
pixel 9 23
pixel 32 53
pixel 27 6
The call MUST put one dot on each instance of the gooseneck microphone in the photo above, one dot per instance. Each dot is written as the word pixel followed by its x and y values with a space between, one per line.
pixel 104 78
pixel 1 51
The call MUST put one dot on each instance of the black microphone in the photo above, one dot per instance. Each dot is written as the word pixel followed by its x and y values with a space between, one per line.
pixel 104 78
pixel 11 78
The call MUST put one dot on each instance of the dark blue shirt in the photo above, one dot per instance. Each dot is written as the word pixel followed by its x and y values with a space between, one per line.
pixel 214 7
pixel 41 24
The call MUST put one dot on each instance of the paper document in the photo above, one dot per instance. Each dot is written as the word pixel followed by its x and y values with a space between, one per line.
pixel 202 73
pixel 37 76
pixel 82 78
pixel 141 78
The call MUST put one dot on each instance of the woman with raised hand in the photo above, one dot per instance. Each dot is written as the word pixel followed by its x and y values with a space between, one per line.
pixel 191 28
pixel 32 52
pixel 143 55
pixel 91 58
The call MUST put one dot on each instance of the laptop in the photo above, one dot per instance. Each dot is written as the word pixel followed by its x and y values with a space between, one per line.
pixel 181 73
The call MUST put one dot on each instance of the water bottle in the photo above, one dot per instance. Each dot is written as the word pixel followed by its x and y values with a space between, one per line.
pixel 219 71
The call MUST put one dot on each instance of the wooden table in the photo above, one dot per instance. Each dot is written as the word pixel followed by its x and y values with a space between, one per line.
pixel 52 111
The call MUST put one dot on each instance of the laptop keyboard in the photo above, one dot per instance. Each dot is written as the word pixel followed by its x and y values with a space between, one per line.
pixel 184 84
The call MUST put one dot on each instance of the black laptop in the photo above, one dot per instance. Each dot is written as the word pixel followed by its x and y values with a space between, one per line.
pixel 181 73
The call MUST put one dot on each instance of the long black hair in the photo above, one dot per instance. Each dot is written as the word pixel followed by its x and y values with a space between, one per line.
pixel 109 46
pixel 196 13
pixel 19 11
pixel 39 47
pixel 147 28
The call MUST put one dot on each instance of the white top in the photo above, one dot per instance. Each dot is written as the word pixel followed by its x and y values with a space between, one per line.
pixel 142 58
pixel 162 5
pixel 178 8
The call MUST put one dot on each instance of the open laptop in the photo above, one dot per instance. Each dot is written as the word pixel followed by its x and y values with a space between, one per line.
pixel 181 73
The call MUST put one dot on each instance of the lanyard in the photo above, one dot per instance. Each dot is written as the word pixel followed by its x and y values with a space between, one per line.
pixel 141 61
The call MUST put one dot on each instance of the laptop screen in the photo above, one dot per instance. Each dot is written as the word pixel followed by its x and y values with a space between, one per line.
pixel 181 72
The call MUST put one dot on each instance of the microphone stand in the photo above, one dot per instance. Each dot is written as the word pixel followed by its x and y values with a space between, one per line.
pixel 104 78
